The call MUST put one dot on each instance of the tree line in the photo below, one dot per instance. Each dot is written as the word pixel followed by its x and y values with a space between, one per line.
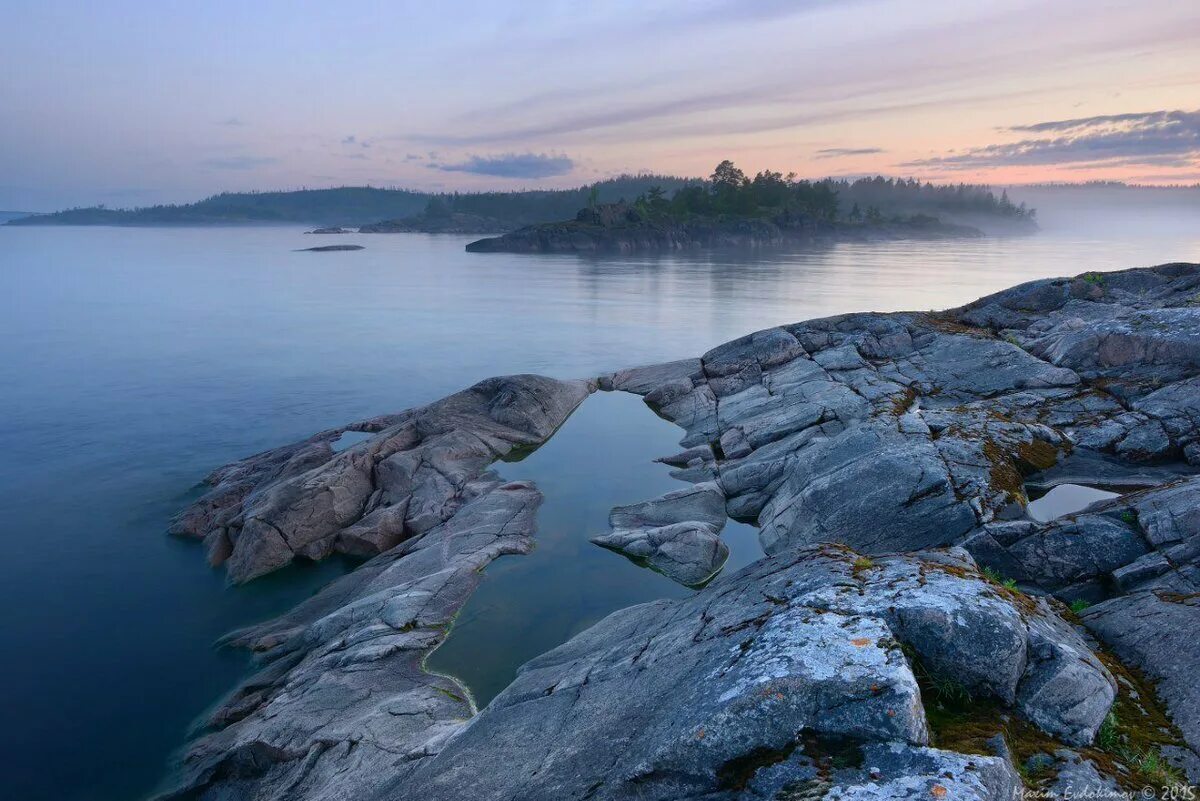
pixel 730 192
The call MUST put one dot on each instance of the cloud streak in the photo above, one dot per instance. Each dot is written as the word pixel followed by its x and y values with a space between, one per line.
pixel 1158 138
pixel 239 162
pixel 512 165
pixel 839 152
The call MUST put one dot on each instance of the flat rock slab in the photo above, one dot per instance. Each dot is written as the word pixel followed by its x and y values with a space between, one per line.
pixel 342 700
pixel 747 687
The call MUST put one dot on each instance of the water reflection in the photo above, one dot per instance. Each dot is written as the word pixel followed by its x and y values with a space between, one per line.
pixel 602 457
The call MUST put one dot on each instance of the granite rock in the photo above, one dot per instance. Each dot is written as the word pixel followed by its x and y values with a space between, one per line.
pixel 746 686
pixel 341 700
pixel 677 534
pixel 304 500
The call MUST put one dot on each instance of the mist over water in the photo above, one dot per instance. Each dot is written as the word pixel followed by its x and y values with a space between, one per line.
pixel 134 361
pixel 1113 211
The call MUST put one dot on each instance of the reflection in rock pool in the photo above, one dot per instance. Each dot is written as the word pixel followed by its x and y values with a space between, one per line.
pixel 1066 499
pixel 349 438
pixel 602 457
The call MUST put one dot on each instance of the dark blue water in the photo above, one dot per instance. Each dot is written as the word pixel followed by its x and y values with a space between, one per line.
pixel 133 361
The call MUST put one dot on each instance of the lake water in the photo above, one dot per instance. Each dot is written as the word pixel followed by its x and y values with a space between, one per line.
pixel 133 361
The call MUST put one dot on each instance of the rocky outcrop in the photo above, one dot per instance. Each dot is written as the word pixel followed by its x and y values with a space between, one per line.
pixel 332 248
pixel 1136 559
pixel 867 448
pixel 676 534
pixel 887 432
pixel 902 431
pixel 751 685
pixel 342 702
pixel 306 501
pixel 895 432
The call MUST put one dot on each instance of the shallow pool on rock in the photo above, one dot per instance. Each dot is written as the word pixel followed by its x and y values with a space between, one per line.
pixel 602 457
pixel 1066 499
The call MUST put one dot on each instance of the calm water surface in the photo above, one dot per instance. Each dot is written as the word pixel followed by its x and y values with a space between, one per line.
pixel 133 361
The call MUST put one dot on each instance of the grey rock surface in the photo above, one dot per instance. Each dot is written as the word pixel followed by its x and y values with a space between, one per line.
pixel 740 689
pixel 895 435
pixel 1077 777
pixel 900 431
pixel 677 534
pixel 1155 631
pixel 1137 559
pixel 895 771
pixel 341 701
pixel 305 500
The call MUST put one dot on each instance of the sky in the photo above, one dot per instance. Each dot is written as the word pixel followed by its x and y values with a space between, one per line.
pixel 134 103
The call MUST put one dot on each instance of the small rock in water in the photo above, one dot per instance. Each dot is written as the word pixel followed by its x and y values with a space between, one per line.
pixel 1066 499
pixel 676 534
pixel 331 248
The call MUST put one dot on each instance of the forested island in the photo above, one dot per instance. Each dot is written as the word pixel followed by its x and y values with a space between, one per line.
pixel 732 209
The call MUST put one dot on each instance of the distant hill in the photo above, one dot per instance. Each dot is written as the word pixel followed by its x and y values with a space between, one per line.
pixel 341 206
pixel 6 216
pixel 383 210
pixel 357 206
